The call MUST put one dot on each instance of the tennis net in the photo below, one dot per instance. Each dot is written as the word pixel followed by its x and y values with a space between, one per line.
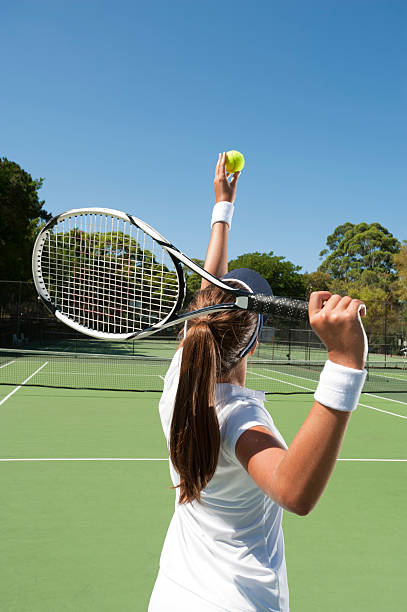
pixel 127 373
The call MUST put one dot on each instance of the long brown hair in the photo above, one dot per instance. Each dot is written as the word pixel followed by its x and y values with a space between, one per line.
pixel 211 351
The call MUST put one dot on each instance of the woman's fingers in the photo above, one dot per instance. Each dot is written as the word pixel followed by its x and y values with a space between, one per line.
pixel 223 166
pixel 357 306
pixel 336 321
pixel 324 300
pixel 234 178
pixel 332 303
pixel 344 303
pixel 221 173
pixel 225 183
pixel 217 167
pixel 317 300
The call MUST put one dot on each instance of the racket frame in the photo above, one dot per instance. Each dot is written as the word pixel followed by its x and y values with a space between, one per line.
pixel 243 299
pixel 41 286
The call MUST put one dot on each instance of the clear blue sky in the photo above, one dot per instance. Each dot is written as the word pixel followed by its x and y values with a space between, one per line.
pixel 126 104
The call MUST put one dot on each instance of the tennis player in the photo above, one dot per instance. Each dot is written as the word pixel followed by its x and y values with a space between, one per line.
pixel 233 472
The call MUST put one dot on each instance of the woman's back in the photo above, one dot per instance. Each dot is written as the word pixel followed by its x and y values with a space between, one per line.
pixel 228 548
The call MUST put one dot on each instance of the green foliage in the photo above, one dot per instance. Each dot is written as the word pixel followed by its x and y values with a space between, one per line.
pixel 193 281
pixel 21 213
pixel 367 262
pixel 400 263
pixel 380 297
pixel 283 276
pixel 317 281
pixel 383 312
pixel 381 309
pixel 334 240
pixel 125 264
pixel 364 251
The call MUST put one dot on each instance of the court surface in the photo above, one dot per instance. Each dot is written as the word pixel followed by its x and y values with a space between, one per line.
pixel 86 500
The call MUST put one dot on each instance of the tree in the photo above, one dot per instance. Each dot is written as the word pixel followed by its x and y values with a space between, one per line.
pixel 362 261
pixel 283 276
pixel 131 285
pixel 317 281
pixel 193 281
pixel 362 249
pixel 379 312
pixel 400 263
pixel 336 238
pixel 21 213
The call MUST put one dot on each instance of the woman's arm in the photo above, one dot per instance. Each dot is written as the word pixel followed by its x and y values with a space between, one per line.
pixel 295 478
pixel 216 261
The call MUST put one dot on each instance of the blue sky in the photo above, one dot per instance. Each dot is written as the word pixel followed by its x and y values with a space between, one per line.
pixel 127 104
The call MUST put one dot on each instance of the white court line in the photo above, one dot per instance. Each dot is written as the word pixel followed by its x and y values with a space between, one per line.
pixel 88 459
pixel 7 364
pixel 377 460
pixel 65 373
pixel 387 376
pixel 364 405
pixel 385 411
pixel 162 377
pixel 283 381
pixel 389 399
pixel 287 374
pixel 23 383
pixel 157 459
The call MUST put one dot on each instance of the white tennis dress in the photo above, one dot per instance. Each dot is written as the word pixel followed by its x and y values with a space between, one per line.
pixel 227 552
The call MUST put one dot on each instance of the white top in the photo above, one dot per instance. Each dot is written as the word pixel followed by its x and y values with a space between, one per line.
pixel 228 550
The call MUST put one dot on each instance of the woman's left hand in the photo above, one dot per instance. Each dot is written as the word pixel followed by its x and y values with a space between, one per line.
pixel 225 190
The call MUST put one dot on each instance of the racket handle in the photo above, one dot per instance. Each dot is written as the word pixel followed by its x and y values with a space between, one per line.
pixel 282 307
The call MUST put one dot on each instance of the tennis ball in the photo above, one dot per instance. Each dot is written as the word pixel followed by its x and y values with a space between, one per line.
pixel 234 161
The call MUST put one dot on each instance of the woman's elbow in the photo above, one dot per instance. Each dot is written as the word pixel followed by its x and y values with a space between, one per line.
pixel 300 509
pixel 296 504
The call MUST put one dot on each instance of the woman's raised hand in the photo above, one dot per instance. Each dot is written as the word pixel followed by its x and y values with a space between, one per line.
pixel 225 190
pixel 336 320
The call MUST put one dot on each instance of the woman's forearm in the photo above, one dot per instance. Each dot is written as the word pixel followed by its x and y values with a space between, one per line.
pixel 216 261
pixel 305 468
pixel 296 477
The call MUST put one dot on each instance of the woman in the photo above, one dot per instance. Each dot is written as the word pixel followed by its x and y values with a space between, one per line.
pixel 233 473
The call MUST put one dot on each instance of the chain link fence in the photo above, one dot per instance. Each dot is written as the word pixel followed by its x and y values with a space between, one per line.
pixel 25 321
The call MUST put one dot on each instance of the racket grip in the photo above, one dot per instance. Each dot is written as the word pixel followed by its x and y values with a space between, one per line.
pixel 281 307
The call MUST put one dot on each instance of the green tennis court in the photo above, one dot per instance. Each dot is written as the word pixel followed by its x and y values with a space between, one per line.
pixel 86 498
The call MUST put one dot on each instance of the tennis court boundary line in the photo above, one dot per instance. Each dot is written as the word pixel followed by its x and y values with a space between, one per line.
pixel 400 416
pixel 23 383
pixel 359 404
pixel 7 364
pixel 388 399
pixel 159 459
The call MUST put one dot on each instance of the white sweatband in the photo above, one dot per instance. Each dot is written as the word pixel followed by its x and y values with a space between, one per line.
pixel 340 387
pixel 222 211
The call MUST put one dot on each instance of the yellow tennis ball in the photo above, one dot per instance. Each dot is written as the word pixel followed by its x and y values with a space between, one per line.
pixel 234 161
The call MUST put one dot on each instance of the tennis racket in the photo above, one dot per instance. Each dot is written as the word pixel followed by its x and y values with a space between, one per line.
pixel 110 275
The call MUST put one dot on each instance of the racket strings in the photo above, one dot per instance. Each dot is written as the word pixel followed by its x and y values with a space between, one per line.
pixel 107 274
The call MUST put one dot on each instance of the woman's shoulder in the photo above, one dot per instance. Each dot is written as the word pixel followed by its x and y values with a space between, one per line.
pixel 234 399
pixel 237 406
pixel 240 409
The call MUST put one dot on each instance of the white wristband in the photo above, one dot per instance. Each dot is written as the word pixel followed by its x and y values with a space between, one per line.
pixel 222 211
pixel 340 387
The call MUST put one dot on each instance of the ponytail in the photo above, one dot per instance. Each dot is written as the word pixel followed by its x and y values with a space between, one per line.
pixel 194 434
pixel 212 349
